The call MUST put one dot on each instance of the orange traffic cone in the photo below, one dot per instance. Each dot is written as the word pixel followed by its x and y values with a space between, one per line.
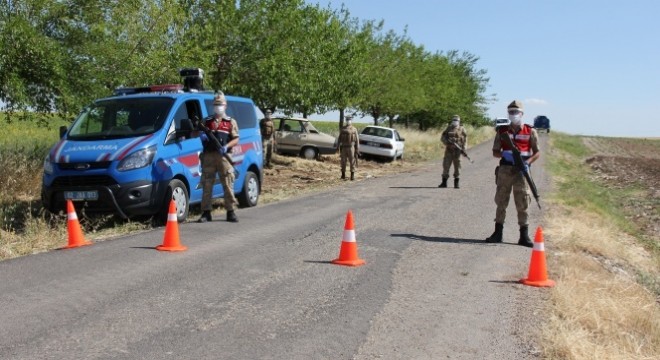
pixel 171 239
pixel 76 237
pixel 538 275
pixel 348 254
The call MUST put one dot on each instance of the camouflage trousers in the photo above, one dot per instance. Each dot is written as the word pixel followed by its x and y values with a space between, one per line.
pixel 347 153
pixel 450 158
pixel 213 163
pixel 510 179
pixel 268 150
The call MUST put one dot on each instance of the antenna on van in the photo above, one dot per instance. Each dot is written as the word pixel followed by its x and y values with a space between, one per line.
pixel 193 79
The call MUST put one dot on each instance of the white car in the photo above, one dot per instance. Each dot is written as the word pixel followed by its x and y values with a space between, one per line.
pixel 382 142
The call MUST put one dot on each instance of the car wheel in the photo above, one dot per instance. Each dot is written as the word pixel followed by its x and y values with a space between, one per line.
pixel 250 194
pixel 309 153
pixel 177 191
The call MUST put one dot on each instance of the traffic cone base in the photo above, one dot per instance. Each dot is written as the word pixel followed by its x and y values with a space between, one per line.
pixel 76 237
pixel 171 239
pixel 348 254
pixel 538 275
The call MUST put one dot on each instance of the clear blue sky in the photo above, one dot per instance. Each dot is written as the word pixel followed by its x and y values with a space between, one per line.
pixel 592 67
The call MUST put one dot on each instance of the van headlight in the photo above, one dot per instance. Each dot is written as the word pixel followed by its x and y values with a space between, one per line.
pixel 138 159
pixel 48 166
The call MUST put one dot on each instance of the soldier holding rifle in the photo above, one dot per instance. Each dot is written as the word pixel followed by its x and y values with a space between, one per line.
pixel 517 148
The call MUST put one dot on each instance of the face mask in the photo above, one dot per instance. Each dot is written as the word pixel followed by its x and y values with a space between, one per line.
pixel 516 119
pixel 455 123
pixel 219 109
pixel 349 122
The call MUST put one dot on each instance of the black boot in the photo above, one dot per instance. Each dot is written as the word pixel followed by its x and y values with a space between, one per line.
pixel 343 175
pixel 456 183
pixel 206 216
pixel 444 183
pixel 352 176
pixel 496 237
pixel 231 216
pixel 524 237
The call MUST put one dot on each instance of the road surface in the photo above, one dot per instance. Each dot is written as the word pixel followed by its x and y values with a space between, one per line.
pixel 264 288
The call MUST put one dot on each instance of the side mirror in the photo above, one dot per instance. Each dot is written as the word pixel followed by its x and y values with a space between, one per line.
pixel 62 131
pixel 185 129
pixel 402 139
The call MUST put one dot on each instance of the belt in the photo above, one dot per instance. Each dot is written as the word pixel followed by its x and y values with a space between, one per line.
pixel 504 162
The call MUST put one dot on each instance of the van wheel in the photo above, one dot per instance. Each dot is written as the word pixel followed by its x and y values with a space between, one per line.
pixel 250 194
pixel 177 191
pixel 309 153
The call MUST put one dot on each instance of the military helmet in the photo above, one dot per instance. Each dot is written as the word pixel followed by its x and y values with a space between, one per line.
pixel 268 112
pixel 219 99
pixel 515 104
pixel 349 117
pixel 456 117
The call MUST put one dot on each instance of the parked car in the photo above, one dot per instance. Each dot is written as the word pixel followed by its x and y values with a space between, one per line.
pixel 501 121
pixel 130 153
pixel 542 122
pixel 379 141
pixel 299 137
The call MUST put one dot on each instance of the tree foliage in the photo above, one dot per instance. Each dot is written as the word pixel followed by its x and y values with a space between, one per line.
pixel 287 55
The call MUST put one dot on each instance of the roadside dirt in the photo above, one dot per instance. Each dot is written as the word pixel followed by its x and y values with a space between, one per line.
pixel 631 163
pixel 294 176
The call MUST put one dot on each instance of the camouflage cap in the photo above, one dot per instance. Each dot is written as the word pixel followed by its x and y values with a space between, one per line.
pixel 268 112
pixel 455 117
pixel 515 104
pixel 219 99
pixel 349 117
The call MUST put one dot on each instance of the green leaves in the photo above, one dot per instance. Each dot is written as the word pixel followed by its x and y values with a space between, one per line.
pixel 285 54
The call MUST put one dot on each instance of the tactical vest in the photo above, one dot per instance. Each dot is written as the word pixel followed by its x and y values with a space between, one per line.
pixel 522 139
pixel 348 136
pixel 266 129
pixel 455 134
pixel 221 130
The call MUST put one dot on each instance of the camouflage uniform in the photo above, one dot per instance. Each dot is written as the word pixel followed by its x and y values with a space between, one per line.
pixel 267 131
pixel 214 162
pixel 509 178
pixel 457 135
pixel 348 147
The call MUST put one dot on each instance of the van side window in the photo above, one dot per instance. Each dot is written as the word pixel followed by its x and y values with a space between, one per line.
pixel 242 112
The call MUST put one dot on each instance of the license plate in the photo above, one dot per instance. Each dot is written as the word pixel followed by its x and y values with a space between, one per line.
pixel 81 195
pixel 374 144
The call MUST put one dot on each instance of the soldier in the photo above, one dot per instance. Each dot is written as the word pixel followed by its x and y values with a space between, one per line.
pixel 348 147
pixel 267 140
pixel 215 160
pixel 508 177
pixel 454 138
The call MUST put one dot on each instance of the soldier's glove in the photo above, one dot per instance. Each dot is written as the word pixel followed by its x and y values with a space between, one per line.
pixel 526 167
pixel 507 155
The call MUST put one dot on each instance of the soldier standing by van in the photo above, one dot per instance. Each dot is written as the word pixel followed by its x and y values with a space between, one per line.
pixel 455 139
pixel 267 140
pixel 348 147
pixel 214 160
pixel 509 178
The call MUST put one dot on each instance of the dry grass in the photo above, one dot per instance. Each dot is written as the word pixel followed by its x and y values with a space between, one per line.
pixel 606 304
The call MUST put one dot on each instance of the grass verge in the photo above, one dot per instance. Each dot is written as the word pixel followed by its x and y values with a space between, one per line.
pixel 606 304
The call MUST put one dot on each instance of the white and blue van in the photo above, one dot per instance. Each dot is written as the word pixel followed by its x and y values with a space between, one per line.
pixel 131 153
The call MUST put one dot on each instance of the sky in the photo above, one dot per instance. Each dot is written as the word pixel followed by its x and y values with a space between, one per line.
pixel 591 66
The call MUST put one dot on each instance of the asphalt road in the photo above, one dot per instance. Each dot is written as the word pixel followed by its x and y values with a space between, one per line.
pixel 264 288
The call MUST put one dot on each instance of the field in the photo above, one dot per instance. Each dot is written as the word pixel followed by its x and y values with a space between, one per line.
pixel 603 240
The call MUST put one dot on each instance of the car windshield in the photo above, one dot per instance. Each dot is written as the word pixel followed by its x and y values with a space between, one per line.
pixel 386 133
pixel 120 118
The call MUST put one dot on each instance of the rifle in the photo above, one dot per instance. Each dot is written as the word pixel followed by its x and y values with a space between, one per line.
pixel 461 149
pixel 520 164
pixel 214 140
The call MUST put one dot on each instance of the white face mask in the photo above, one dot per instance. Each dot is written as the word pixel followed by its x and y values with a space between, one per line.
pixel 219 109
pixel 455 123
pixel 516 119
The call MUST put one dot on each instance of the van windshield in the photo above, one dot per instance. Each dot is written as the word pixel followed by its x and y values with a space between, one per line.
pixel 121 118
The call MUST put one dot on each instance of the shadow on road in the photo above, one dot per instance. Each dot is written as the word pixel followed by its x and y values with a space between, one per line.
pixel 441 239
pixel 318 261
pixel 413 187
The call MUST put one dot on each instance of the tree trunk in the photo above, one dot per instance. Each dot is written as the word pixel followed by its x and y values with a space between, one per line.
pixel 341 118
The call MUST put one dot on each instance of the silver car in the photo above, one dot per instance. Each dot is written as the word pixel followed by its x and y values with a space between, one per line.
pixel 381 142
